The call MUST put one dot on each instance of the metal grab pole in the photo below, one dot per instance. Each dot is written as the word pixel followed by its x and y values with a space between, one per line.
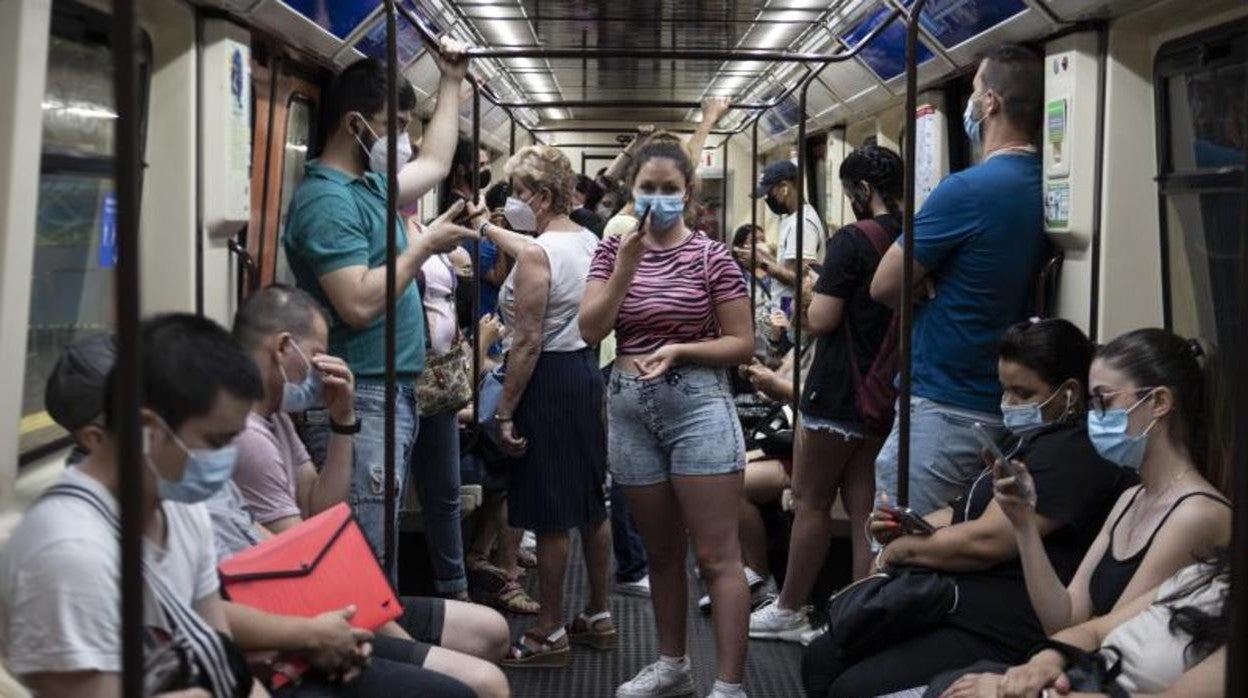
pixel 477 276
pixel 754 227
pixel 723 196
pixel 392 251
pixel 128 396
pixel 800 232
pixel 907 266
pixel 1237 637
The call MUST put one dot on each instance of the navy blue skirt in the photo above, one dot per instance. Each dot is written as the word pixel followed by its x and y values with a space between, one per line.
pixel 559 483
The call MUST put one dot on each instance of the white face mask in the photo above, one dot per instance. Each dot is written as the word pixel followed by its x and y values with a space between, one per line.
pixel 520 215
pixel 377 155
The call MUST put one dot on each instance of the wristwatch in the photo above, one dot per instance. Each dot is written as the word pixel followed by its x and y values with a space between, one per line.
pixel 347 429
pixel 481 229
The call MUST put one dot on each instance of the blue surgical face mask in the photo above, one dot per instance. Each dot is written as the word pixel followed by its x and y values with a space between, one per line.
pixel 1020 419
pixel 1110 435
pixel 971 125
pixel 666 209
pixel 304 395
pixel 205 473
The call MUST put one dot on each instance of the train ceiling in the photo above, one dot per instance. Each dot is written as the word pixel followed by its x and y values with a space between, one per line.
pixel 952 33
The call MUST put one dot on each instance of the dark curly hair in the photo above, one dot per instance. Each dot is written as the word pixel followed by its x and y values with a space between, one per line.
pixel 882 170
pixel 1207 630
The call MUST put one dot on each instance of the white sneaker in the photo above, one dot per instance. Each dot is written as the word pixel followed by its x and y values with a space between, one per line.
pixel 761 592
pixel 718 692
pixel 528 542
pixel 774 623
pixel 658 680
pixel 641 587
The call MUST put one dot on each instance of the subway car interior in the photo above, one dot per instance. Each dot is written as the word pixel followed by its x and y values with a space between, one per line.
pixel 646 348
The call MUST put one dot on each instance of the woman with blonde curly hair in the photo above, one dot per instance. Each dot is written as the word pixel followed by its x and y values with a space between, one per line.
pixel 550 413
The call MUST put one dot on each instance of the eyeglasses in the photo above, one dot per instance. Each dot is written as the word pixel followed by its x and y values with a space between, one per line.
pixel 1101 402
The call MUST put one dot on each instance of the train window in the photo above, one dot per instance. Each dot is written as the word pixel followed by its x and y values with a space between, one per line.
pixel 1202 141
pixel 75 244
pixel 298 139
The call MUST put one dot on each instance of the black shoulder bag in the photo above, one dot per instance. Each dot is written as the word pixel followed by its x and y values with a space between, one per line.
pixel 888 607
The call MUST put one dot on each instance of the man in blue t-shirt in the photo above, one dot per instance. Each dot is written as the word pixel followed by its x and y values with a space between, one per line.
pixel 978 246
pixel 336 241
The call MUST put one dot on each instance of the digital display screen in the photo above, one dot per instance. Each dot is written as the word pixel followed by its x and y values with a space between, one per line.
pixel 408 40
pixel 781 117
pixel 886 53
pixel 953 22
pixel 338 17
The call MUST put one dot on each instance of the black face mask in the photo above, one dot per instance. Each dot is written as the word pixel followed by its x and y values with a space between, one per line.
pixel 483 179
pixel 776 205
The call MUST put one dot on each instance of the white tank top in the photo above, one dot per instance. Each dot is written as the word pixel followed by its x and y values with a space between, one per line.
pixel 569 255
pixel 1152 656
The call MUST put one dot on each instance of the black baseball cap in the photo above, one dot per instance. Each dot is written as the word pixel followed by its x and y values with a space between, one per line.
pixel 74 396
pixel 773 174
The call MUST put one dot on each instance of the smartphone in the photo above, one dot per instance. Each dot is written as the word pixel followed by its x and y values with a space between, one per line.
pixel 911 523
pixel 985 439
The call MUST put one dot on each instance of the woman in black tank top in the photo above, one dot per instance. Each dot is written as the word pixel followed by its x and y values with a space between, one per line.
pixel 1147 413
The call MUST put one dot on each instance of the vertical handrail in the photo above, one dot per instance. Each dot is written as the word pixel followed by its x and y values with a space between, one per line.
pixel 723 196
pixel 907 266
pixel 128 396
pixel 477 276
pixel 1237 638
pixel 800 279
pixel 392 242
pixel 754 225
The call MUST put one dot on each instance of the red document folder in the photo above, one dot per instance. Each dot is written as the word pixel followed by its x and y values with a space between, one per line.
pixel 323 564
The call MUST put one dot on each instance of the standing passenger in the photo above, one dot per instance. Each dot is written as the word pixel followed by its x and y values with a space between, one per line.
pixel 777 185
pixel 979 242
pixel 680 312
pixel 835 449
pixel 550 412
pixel 336 241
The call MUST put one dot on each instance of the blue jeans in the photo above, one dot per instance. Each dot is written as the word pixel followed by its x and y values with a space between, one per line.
pixel 435 470
pixel 681 423
pixel 368 474
pixel 630 554
pixel 944 453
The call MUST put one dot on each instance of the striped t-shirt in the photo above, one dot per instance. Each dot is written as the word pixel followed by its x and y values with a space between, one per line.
pixel 673 295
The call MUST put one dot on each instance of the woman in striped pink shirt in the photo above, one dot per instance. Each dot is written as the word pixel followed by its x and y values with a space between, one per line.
pixel 679 308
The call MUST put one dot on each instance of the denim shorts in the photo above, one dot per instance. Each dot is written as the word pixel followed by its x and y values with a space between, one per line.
pixel 681 423
pixel 847 430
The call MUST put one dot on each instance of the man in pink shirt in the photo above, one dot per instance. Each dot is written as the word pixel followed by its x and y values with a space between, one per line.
pixel 286 333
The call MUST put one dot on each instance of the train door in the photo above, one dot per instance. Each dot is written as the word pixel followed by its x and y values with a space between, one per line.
pixel 287 105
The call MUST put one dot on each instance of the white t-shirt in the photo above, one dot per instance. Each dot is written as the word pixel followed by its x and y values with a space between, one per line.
pixel 59 580
pixel 1152 656
pixel 813 235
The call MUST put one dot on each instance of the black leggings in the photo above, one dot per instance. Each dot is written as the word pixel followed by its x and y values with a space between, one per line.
pixel 908 664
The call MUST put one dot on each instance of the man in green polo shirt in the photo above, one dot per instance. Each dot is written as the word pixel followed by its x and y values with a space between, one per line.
pixel 336 244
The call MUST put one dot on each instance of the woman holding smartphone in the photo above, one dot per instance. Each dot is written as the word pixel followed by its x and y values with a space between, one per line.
pixel 681 315
pixel 1042 367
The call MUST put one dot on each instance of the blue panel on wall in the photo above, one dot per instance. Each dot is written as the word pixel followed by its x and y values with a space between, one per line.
pixel 954 21
pixel 886 53
pixel 338 17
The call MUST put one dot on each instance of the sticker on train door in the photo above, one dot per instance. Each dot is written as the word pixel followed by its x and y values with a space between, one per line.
pixel 108 230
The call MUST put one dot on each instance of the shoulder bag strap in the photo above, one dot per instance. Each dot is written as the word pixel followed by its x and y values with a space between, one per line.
pixel 201 637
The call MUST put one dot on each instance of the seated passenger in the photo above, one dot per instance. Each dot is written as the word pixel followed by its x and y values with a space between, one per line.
pixel 1170 640
pixel 60 591
pixel 286 333
pixel 1042 368
pixel 328 641
pixel 1148 414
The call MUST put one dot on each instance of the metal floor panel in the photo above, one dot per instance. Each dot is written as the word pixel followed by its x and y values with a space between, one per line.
pixel 772 668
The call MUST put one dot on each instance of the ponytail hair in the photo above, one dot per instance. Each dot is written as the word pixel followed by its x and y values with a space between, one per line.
pixel 1162 359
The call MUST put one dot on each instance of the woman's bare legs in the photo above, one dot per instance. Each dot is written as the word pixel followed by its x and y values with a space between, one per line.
pixel 820 459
